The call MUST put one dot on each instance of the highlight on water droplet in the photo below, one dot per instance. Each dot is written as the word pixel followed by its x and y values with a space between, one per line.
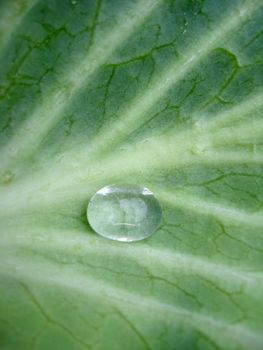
pixel 124 213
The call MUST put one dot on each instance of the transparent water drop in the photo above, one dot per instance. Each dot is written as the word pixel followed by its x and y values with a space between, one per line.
pixel 124 212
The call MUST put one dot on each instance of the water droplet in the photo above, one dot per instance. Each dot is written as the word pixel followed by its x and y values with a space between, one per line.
pixel 73 2
pixel 124 212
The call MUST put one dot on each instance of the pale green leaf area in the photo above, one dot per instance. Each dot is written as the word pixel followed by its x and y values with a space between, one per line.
pixel 165 94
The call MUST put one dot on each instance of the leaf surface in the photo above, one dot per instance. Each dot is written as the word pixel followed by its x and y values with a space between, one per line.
pixel 166 94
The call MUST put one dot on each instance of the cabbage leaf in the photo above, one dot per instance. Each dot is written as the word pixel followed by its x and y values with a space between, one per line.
pixel 166 94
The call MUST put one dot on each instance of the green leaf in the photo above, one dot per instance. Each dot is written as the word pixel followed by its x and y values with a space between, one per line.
pixel 166 94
